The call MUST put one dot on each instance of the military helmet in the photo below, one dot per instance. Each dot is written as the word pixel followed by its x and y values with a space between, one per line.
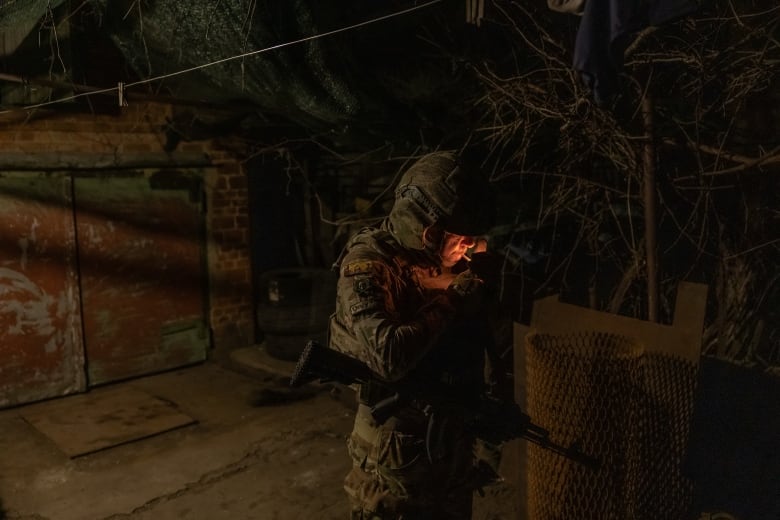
pixel 439 189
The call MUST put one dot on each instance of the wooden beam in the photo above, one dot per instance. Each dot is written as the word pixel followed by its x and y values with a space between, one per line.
pixel 48 161
pixel 681 339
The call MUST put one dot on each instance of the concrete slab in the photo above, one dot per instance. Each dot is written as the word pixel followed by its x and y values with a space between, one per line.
pixel 255 360
pixel 103 418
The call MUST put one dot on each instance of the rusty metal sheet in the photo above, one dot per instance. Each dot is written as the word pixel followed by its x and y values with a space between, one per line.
pixel 41 351
pixel 143 276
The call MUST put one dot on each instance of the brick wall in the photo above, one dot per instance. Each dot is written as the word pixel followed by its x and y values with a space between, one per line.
pixel 230 281
pixel 138 129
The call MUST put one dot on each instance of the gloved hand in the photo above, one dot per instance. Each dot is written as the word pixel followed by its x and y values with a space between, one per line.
pixel 467 292
pixel 487 266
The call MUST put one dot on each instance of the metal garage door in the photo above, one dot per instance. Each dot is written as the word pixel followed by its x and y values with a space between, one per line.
pixel 41 352
pixel 142 267
pixel 102 278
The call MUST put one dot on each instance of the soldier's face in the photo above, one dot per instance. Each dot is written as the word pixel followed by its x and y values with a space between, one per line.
pixel 453 247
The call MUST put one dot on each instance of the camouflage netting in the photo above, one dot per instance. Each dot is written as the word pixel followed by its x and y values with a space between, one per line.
pixel 328 84
pixel 335 70
pixel 165 37
pixel 628 408
pixel 24 13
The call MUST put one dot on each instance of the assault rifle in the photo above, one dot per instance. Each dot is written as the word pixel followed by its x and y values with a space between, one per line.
pixel 491 419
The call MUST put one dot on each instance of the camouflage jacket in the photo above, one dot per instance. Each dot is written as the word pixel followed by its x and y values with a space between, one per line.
pixel 386 319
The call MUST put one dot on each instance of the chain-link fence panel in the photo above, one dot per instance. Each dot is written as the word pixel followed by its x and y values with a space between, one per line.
pixel 629 408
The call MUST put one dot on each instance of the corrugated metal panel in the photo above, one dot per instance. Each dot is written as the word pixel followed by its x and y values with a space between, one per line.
pixel 41 352
pixel 142 274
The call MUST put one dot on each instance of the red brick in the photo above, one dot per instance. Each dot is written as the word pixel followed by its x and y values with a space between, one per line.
pixel 238 182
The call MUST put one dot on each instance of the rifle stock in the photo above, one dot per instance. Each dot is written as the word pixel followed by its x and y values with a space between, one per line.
pixel 317 362
pixel 493 420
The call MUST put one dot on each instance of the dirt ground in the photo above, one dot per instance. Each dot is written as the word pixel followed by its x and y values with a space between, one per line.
pixel 253 453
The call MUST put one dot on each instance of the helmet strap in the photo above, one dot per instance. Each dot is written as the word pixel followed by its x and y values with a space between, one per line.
pixel 433 238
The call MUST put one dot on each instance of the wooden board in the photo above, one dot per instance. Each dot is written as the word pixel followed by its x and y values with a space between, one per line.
pixel 681 339
pixel 103 418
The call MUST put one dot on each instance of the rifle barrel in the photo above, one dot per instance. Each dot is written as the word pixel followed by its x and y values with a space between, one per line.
pixel 319 362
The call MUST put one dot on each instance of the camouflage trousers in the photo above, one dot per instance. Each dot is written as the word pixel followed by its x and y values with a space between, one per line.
pixel 399 475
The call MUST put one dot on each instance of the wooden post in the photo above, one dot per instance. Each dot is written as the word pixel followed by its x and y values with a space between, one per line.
pixel 650 203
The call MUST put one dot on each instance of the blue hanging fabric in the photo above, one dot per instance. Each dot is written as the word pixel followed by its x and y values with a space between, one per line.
pixel 607 28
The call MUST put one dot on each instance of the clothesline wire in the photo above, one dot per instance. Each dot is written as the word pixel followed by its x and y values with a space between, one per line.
pixel 236 57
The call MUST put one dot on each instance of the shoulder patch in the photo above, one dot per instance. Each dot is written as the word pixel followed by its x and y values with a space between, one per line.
pixel 363 306
pixel 359 267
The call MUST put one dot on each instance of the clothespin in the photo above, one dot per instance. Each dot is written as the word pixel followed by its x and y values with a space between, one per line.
pixel 120 88
pixel 475 11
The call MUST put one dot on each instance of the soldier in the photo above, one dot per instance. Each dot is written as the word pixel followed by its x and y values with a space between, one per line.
pixel 408 307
